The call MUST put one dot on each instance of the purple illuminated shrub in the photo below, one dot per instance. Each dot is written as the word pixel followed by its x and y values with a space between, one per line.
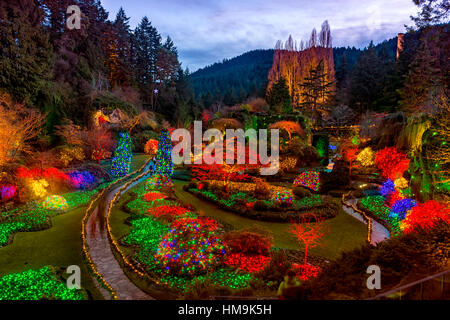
pixel 7 192
pixel 82 179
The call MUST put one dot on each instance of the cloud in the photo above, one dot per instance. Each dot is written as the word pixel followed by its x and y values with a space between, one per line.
pixel 206 31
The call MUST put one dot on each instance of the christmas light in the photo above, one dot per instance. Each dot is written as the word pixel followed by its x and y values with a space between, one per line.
pixel 35 285
pixel 426 215
pixel 55 203
pixel 121 162
pixel 391 162
pixel 7 192
pixel 305 272
pixel 366 157
pixel 163 161
pixel 82 179
pixel 166 210
pixel 283 197
pixel 387 188
pixel 158 182
pixel 247 263
pixel 401 207
pixel 190 247
pixel 38 187
pixel 309 179
pixel 154 196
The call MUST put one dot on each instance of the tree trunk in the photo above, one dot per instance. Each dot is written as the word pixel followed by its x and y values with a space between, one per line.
pixel 306 254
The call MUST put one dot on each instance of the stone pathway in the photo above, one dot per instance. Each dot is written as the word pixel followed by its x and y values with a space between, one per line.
pixel 379 232
pixel 106 262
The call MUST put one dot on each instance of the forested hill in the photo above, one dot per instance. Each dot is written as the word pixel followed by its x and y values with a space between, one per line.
pixel 234 80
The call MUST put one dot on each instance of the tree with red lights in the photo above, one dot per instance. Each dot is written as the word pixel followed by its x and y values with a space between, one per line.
pixel 350 155
pixel 392 163
pixel 309 232
pixel 426 215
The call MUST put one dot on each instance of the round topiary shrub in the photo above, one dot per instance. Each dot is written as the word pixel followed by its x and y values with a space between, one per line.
pixel 261 205
pixel 301 192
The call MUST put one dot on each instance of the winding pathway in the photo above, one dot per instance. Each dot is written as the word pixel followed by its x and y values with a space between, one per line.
pixel 379 232
pixel 102 255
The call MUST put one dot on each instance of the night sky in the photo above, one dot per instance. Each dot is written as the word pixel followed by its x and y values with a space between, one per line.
pixel 207 31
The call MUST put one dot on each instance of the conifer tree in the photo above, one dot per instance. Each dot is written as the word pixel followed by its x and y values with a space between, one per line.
pixel 278 95
pixel 163 160
pixel 121 163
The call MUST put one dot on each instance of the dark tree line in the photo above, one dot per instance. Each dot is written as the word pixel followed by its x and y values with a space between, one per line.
pixel 105 64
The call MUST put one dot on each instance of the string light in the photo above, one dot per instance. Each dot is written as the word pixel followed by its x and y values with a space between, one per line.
pixel 55 203
pixel 34 285
pixel 163 161
pixel 121 162
pixel 309 179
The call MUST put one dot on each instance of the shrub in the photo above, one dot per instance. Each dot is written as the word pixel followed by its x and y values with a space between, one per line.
pixel 141 138
pixel 262 189
pixel 277 268
pixel 261 205
pixel 304 152
pixel 258 105
pixel 301 192
pixel 249 241
pixel 336 179
pixel 200 289
pixel 151 147
pixel 70 154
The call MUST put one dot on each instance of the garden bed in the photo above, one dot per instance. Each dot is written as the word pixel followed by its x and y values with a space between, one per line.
pixel 244 204
pixel 235 273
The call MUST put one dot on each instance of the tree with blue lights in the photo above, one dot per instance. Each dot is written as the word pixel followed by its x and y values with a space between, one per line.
pixel 163 160
pixel 121 162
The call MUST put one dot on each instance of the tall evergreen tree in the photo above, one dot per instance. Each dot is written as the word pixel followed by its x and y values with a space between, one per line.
pixel 316 89
pixel 118 47
pixel 163 160
pixel 366 80
pixel 278 95
pixel 146 44
pixel 25 51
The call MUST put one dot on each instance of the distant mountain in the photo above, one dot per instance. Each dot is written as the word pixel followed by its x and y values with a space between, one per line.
pixel 235 80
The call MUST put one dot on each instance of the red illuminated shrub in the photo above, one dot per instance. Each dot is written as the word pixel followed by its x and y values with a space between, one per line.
pixel 153 196
pixel 50 173
pixel 350 155
pixel 426 215
pixel 202 172
pixel 167 211
pixel 248 242
pixel 305 272
pixel 392 163
pixel 247 263
pixel 203 223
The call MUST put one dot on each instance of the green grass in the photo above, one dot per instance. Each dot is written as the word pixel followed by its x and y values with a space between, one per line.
pixel 137 162
pixel 59 246
pixel 346 233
